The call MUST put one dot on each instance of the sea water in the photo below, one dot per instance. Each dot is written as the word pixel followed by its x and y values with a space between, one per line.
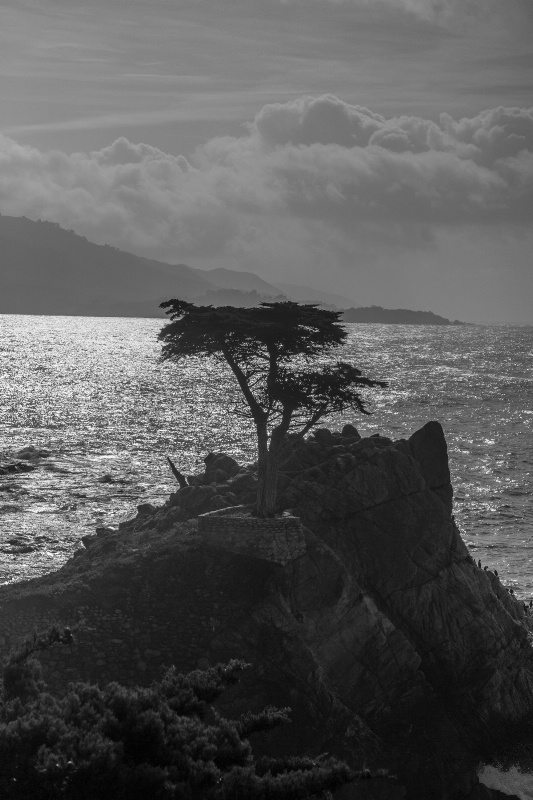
pixel 512 781
pixel 94 395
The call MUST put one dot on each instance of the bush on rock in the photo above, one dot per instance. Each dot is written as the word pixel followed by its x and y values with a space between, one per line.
pixel 163 742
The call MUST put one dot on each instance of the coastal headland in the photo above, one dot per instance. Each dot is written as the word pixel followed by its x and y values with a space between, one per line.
pixel 371 620
pixel 395 316
pixel 49 270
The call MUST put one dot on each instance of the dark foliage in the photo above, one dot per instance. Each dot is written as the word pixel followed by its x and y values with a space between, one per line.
pixel 22 674
pixel 163 742
pixel 269 350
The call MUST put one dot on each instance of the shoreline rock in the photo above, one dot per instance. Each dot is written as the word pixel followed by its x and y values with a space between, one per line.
pixel 392 647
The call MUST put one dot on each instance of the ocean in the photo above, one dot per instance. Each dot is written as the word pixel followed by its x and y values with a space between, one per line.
pixel 92 395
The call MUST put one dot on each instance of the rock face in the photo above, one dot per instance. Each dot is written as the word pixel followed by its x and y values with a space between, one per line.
pixel 392 647
pixel 386 511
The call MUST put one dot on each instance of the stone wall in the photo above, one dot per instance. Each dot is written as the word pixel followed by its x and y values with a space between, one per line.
pixel 279 540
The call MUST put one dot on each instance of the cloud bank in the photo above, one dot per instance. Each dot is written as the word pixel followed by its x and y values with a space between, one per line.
pixel 310 182
pixel 313 159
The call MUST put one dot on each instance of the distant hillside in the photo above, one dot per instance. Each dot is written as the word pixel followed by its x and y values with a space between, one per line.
pixel 398 316
pixel 45 269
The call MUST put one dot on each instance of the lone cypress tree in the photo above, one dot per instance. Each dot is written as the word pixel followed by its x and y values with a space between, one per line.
pixel 269 349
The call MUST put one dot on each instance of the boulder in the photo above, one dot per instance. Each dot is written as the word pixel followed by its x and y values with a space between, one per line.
pixel 197 480
pixel 216 476
pixel 195 499
pixel 350 432
pixel 324 436
pixel 146 509
pixel 242 482
pixel 222 461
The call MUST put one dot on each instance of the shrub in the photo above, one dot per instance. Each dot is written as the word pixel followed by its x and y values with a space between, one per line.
pixel 163 742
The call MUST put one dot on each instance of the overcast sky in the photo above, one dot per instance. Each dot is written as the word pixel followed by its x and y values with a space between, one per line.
pixel 381 149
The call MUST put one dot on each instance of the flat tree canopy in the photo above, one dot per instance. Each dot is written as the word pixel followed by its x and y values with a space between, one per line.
pixel 270 350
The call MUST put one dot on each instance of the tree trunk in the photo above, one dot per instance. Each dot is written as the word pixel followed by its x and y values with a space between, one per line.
pixel 262 459
pixel 271 484
pixel 267 470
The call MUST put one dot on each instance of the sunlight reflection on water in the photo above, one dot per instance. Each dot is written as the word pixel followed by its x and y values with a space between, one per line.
pixel 93 393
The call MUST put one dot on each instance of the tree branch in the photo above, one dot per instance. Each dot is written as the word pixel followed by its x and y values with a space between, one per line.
pixel 258 413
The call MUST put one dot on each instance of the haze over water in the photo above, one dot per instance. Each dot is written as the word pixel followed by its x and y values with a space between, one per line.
pixel 92 393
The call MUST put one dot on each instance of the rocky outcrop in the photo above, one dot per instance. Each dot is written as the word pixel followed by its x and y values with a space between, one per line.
pixel 385 509
pixel 21 460
pixel 390 645
pixel 10 467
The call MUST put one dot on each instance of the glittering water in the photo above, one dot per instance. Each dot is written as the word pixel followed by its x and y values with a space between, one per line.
pixel 513 781
pixel 92 393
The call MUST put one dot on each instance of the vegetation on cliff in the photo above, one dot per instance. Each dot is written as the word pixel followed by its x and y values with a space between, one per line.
pixel 164 741
pixel 265 348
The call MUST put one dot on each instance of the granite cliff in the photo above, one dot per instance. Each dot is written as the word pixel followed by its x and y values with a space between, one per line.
pixel 371 620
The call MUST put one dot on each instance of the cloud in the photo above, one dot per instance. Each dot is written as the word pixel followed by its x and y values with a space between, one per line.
pixel 450 12
pixel 314 161
pixel 442 12
pixel 321 120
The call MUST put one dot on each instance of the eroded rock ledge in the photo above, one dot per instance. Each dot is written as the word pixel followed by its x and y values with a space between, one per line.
pixel 391 646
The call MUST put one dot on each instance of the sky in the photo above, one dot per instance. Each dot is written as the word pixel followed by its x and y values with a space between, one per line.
pixel 378 149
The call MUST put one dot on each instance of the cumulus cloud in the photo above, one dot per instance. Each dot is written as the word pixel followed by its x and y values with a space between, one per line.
pixel 316 161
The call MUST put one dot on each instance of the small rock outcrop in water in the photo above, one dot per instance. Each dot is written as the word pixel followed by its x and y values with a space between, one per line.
pixel 31 453
pixel 11 467
pixel 392 647
pixel 21 459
